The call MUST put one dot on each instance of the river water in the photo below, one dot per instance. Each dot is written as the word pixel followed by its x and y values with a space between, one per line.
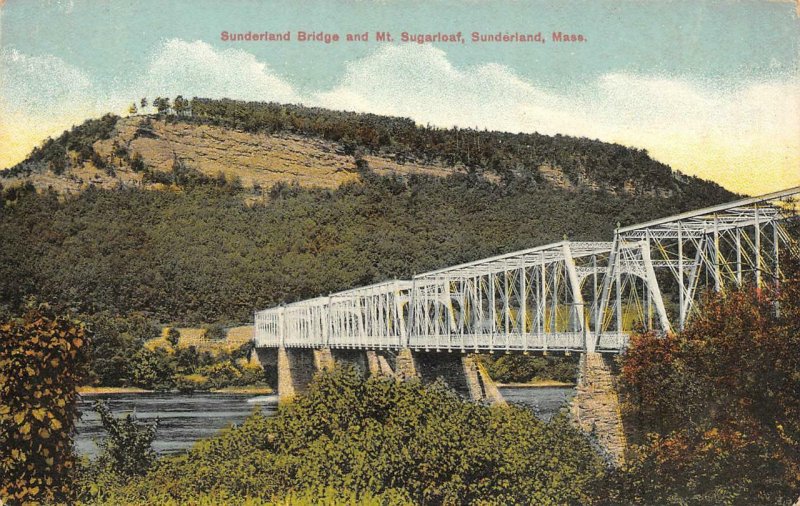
pixel 185 418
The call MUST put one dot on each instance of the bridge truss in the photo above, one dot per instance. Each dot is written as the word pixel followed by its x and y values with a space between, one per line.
pixel 566 296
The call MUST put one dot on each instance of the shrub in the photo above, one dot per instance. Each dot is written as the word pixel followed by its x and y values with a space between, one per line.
pixel 126 452
pixel 215 332
pixel 717 407
pixel 401 442
pixel 127 449
pixel 173 337
pixel 191 382
pixel 221 374
pixel 40 369
pixel 515 368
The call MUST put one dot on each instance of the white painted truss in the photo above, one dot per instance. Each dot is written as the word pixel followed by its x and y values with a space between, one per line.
pixel 566 296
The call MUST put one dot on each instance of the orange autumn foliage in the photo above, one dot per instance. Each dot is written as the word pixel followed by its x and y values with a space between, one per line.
pixel 715 409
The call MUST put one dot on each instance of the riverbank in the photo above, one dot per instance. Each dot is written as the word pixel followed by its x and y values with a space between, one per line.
pixel 250 390
pixel 89 390
pixel 254 390
pixel 537 384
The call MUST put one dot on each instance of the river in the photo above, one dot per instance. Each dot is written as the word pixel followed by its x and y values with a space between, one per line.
pixel 185 418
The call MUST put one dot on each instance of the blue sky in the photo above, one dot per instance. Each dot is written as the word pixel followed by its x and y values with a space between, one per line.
pixel 708 87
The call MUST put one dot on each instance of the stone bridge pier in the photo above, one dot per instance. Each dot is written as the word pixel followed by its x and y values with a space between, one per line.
pixel 295 368
pixel 595 409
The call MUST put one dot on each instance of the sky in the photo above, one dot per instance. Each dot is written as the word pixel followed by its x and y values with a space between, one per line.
pixel 711 88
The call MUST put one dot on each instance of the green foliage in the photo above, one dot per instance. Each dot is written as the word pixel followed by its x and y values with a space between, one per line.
pixel 161 104
pixel 187 359
pixel 516 368
pixel 181 106
pixel 116 341
pixel 173 337
pixel 188 383
pixel 40 370
pixel 215 332
pixel 188 370
pixel 184 176
pixel 53 153
pixel 221 374
pixel 153 369
pixel 125 452
pixel 127 448
pixel 717 407
pixel 383 442
pixel 203 255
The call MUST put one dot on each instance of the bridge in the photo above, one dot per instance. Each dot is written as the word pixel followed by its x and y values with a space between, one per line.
pixel 569 296
pixel 566 296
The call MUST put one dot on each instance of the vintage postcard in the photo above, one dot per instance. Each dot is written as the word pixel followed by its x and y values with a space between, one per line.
pixel 399 252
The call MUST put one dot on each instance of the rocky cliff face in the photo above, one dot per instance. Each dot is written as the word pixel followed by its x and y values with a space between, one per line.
pixel 256 159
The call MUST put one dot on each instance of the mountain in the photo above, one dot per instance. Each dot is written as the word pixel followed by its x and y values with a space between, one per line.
pixel 264 203
pixel 261 144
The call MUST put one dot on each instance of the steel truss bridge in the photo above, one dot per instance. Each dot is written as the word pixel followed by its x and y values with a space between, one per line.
pixel 566 296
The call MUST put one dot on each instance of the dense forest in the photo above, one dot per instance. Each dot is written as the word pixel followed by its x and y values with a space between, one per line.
pixel 200 254
pixel 209 250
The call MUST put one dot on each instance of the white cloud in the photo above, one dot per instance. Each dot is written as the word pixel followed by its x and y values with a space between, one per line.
pixel 197 69
pixel 420 82
pixel 31 83
pixel 746 137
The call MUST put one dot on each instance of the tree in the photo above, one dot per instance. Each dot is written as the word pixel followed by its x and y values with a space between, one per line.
pixel 116 340
pixel 717 407
pixel 215 332
pixel 161 104
pixel 382 438
pixel 173 337
pixel 180 105
pixel 153 369
pixel 128 449
pixel 132 109
pixel 41 366
pixel 143 103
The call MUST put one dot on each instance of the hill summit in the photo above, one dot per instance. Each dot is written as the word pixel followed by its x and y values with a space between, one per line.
pixel 260 144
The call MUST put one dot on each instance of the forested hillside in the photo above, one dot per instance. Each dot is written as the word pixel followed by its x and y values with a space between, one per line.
pixel 201 254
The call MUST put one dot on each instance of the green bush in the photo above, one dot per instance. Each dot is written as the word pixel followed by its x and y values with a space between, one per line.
pixel 221 374
pixel 125 452
pixel 127 448
pixel 188 383
pixel 117 340
pixel 384 441
pixel 173 337
pixel 215 332
pixel 516 368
